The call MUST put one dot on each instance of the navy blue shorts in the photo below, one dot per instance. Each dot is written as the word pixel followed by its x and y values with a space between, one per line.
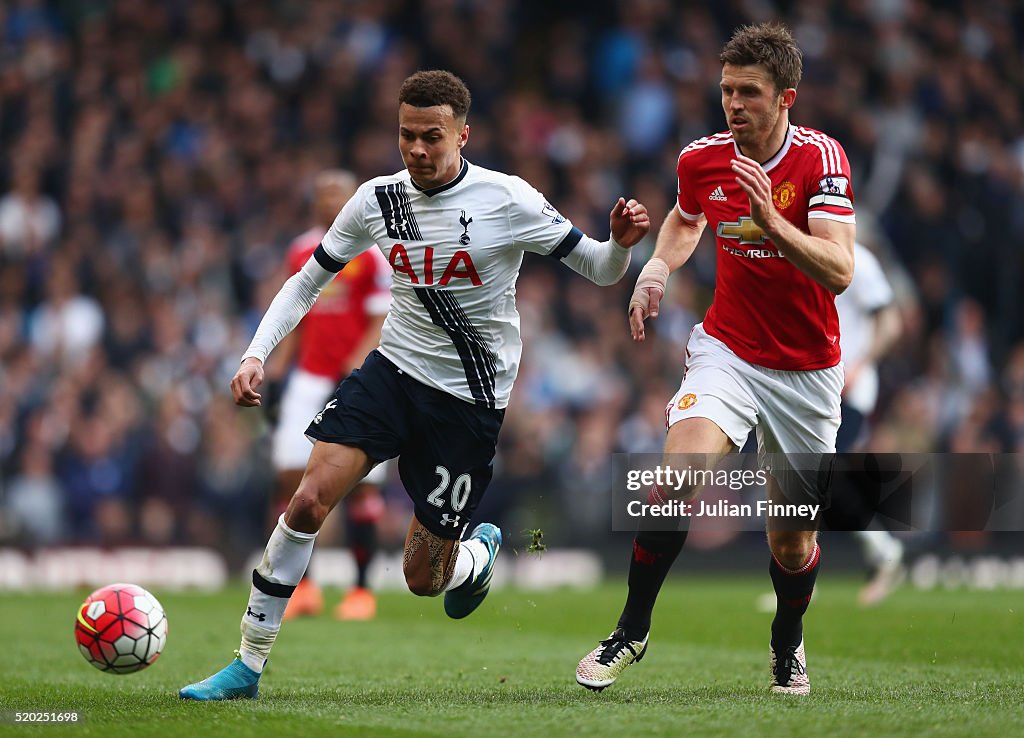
pixel 444 445
pixel 850 429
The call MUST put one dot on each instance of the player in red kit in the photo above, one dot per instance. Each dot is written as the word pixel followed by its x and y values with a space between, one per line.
pixel 779 200
pixel 334 338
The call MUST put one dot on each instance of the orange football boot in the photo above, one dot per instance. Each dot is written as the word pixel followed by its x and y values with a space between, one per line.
pixel 359 604
pixel 307 600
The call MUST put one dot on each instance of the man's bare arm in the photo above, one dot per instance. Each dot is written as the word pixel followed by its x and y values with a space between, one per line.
pixel 825 254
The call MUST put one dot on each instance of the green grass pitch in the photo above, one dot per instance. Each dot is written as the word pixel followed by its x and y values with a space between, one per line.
pixel 924 663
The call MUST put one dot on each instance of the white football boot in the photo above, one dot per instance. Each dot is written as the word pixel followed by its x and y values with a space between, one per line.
pixel 604 664
pixel 789 671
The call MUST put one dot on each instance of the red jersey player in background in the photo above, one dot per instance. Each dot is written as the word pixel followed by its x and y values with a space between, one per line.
pixel 779 201
pixel 335 336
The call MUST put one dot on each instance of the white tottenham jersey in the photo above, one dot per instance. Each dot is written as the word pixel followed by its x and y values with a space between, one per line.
pixel 456 252
pixel 868 293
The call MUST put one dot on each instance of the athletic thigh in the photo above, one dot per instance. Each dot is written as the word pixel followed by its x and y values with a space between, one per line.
pixel 332 471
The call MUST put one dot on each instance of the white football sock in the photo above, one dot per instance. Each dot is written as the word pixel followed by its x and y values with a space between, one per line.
pixel 471 559
pixel 880 546
pixel 284 562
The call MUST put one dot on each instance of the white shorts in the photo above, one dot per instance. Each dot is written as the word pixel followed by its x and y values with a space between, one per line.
pixel 794 412
pixel 304 396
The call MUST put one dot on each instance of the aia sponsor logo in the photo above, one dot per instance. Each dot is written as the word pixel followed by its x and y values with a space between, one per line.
pixel 460 266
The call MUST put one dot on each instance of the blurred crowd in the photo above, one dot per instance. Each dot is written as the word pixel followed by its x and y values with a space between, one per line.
pixel 156 158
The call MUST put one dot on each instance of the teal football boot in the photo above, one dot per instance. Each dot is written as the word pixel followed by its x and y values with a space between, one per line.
pixel 234 682
pixel 461 601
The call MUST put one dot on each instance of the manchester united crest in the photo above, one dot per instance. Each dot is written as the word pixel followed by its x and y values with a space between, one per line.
pixel 687 401
pixel 784 194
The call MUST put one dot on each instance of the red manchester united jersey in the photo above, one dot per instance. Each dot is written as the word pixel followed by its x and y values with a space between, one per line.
pixel 765 309
pixel 339 318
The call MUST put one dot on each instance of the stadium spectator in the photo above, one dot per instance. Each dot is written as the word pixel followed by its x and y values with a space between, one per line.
pixel 143 119
pixel 66 326
pixel 29 219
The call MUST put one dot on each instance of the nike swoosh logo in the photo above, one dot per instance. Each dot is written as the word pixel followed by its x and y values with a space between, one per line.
pixel 81 620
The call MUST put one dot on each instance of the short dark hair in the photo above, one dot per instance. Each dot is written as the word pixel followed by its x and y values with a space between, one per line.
pixel 436 87
pixel 772 46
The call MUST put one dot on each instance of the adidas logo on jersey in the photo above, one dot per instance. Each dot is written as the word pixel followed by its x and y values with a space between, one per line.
pixel 718 195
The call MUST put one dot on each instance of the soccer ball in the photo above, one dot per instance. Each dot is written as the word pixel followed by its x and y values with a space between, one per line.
pixel 121 628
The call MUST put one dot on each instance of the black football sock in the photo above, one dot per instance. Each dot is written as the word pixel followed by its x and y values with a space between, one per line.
pixel 793 594
pixel 653 556
pixel 654 552
pixel 362 540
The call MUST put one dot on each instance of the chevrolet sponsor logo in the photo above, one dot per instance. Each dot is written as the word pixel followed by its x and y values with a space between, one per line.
pixel 754 253
pixel 745 229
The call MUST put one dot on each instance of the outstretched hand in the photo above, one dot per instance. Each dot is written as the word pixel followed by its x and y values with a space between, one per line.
pixel 243 385
pixel 646 300
pixel 629 222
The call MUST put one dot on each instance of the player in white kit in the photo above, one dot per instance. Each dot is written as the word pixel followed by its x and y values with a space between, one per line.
pixel 435 391
pixel 870 326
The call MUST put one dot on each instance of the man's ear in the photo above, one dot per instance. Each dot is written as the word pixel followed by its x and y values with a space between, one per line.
pixel 788 97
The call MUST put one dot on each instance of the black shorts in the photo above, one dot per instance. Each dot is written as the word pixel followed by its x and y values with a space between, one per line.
pixel 850 429
pixel 444 445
